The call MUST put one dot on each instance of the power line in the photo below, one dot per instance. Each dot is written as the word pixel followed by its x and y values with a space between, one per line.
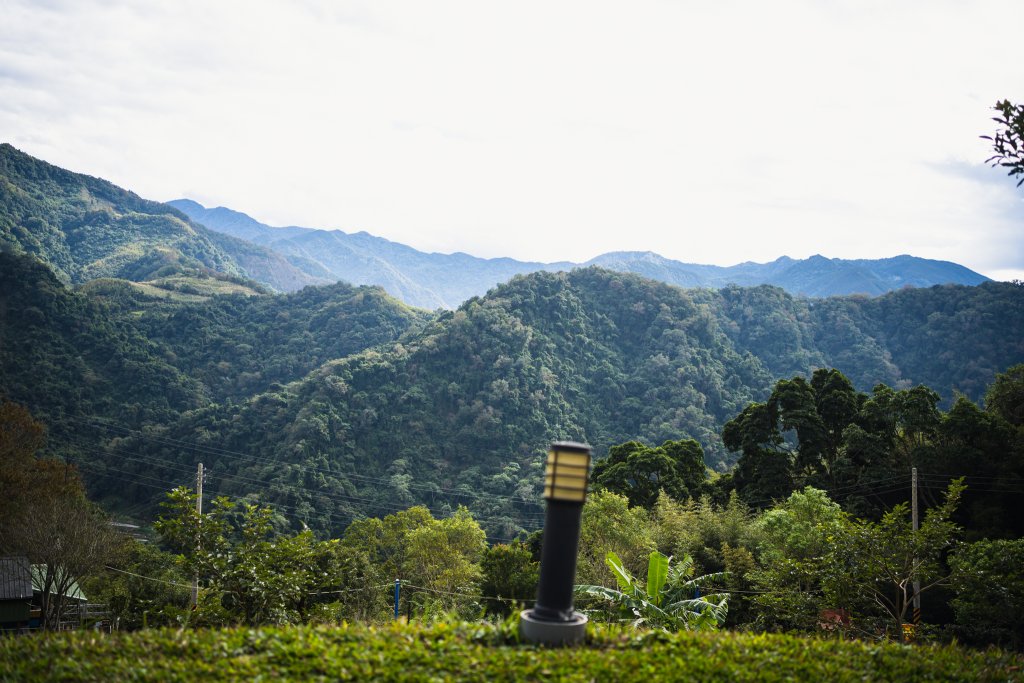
pixel 248 457
pixel 149 578
pixel 341 518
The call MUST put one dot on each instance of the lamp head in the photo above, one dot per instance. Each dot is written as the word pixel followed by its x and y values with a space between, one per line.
pixel 567 472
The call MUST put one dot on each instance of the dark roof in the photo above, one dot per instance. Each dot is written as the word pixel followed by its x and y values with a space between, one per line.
pixel 15 578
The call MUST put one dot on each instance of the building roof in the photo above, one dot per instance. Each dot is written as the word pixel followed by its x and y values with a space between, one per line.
pixel 15 578
pixel 39 578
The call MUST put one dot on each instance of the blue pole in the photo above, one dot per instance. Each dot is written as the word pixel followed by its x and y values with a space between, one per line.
pixel 398 589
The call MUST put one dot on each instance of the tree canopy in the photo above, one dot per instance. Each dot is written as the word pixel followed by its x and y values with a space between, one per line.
pixel 1008 142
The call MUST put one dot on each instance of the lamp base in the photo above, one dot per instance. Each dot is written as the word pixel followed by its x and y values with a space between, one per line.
pixel 533 630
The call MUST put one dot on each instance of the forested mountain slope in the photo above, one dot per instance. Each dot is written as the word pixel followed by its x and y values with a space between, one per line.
pixel 461 412
pixel 118 353
pixel 64 356
pixel 87 228
pixel 238 346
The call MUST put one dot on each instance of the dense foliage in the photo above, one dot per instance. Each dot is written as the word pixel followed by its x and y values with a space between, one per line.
pixel 238 346
pixel 803 564
pixel 85 228
pixel 1008 143
pixel 826 434
pixel 459 410
pixel 480 652
pixel 65 357
pixel 460 413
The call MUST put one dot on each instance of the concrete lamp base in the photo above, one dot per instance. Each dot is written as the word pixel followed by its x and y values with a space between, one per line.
pixel 533 630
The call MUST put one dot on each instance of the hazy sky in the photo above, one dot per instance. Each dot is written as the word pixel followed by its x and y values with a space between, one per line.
pixel 712 132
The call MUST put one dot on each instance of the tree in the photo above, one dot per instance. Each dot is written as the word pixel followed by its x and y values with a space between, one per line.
pixel 609 524
pixel 510 576
pixel 438 558
pixel 385 540
pixel 444 559
pixel 66 538
pixel 797 535
pixel 882 560
pixel 266 578
pixel 248 573
pixel 701 529
pixel 1008 143
pixel 1005 396
pixel 149 587
pixel 641 472
pixel 670 598
pixel 764 470
pixel 20 438
pixel 989 602
pixel 45 516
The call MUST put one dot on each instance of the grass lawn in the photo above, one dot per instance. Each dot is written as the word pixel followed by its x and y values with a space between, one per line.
pixel 479 652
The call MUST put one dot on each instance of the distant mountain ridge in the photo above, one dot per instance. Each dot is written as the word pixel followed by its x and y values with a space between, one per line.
pixel 434 280
pixel 86 228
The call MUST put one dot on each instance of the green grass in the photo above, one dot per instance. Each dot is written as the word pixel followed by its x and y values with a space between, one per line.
pixel 473 652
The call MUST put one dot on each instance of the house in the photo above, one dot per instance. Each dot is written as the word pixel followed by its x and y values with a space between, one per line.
pixel 64 592
pixel 15 593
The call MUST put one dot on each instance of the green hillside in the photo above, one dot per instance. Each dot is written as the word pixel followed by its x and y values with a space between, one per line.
pixel 142 354
pixel 87 228
pixel 237 346
pixel 334 402
pixel 460 412
pixel 66 356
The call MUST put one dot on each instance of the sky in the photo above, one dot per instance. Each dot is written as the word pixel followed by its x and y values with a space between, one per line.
pixel 708 132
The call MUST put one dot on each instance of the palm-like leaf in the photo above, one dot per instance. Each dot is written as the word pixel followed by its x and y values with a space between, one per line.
pixel 665 601
pixel 657 574
pixel 622 575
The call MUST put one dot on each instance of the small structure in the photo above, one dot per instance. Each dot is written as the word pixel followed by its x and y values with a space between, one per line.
pixel 65 599
pixel 15 593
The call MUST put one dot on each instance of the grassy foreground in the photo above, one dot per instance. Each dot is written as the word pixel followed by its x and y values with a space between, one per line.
pixel 473 652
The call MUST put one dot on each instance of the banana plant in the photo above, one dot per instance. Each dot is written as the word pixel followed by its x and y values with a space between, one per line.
pixel 670 599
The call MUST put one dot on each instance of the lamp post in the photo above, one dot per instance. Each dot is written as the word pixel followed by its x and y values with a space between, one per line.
pixel 553 621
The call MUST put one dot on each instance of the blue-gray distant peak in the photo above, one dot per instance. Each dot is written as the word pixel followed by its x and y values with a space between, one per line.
pixel 433 280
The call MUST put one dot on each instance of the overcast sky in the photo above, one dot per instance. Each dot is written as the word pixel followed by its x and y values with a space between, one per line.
pixel 711 132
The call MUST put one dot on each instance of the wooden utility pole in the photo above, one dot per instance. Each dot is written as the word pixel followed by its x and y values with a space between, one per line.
pixel 199 512
pixel 913 514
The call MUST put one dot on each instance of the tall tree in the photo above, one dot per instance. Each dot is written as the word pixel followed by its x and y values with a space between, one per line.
pixel 640 472
pixel 882 560
pixel 45 516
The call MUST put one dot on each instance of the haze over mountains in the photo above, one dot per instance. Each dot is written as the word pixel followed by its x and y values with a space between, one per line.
pixel 432 280
pixel 142 338
pixel 87 228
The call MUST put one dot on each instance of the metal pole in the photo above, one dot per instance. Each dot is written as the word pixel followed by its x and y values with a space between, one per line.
pixel 553 621
pixel 199 543
pixel 398 590
pixel 914 520
pixel 558 561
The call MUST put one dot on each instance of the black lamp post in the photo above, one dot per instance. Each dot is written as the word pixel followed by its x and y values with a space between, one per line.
pixel 552 620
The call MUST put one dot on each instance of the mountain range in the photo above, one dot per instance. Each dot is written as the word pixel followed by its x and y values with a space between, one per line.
pixel 143 339
pixel 87 228
pixel 336 401
pixel 432 280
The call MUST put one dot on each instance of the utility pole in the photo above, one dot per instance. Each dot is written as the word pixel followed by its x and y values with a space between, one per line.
pixel 914 521
pixel 199 543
